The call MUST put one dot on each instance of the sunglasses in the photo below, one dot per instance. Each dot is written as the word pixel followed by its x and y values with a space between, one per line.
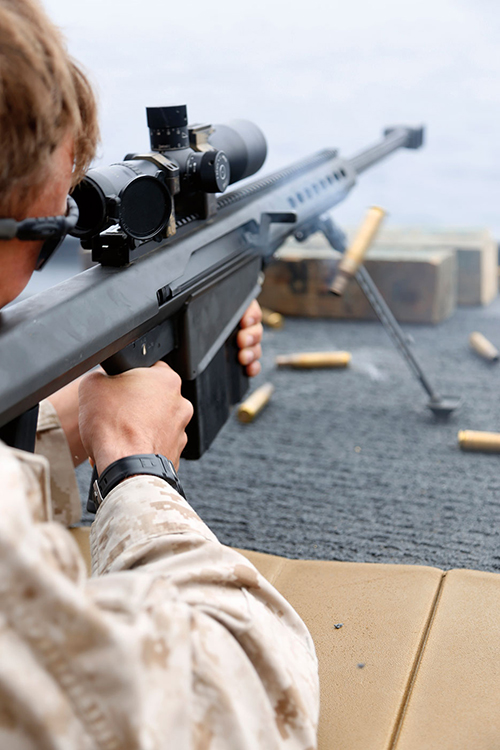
pixel 51 229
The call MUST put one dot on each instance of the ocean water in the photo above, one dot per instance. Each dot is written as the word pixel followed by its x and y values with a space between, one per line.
pixel 311 75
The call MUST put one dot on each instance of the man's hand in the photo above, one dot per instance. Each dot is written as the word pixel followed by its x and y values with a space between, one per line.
pixel 139 411
pixel 249 338
pixel 65 401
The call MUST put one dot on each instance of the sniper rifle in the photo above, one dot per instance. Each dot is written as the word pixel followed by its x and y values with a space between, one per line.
pixel 179 262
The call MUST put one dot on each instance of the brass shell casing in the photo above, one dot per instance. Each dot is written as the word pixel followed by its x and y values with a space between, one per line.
pixel 355 254
pixel 483 347
pixel 311 360
pixel 272 319
pixel 486 442
pixel 253 405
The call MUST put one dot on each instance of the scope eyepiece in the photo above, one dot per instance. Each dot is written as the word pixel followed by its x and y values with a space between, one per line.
pixel 139 203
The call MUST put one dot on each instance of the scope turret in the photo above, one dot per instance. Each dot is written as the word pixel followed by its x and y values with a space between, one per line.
pixel 168 127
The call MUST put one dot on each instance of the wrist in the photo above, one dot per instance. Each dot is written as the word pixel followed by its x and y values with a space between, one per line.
pixel 111 452
pixel 130 466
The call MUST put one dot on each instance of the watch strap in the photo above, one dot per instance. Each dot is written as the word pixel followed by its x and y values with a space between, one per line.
pixel 152 464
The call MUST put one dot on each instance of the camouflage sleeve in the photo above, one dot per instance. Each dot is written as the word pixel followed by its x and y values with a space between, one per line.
pixel 177 642
pixel 249 659
pixel 51 443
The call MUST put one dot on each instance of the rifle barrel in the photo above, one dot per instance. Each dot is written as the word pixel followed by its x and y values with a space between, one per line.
pixel 394 138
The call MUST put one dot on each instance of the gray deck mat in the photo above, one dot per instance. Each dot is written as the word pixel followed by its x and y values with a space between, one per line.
pixel 349 464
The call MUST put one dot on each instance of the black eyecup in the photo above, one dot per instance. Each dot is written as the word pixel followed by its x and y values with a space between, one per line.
pixel 54 242
pixel 51 229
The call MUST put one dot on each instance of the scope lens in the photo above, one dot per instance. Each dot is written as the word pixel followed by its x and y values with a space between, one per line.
pixel 145 207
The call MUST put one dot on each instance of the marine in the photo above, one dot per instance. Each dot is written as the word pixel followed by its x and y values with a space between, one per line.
pixel 176 641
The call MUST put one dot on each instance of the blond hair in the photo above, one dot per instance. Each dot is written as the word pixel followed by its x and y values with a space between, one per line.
pixel 44 95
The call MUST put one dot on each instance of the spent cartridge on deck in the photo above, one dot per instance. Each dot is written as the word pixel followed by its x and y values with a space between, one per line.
pixel 311 360
pixel 272 319
pixel 486 442
pixel 483 347
pixel 253 405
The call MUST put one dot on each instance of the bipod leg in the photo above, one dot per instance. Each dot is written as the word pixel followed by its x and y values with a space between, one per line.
pixel 440 406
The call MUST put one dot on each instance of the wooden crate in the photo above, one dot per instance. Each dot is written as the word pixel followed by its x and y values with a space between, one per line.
pixel 476 251
pixel 419 284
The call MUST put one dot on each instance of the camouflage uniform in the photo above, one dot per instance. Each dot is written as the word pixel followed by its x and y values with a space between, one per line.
pixel 175 642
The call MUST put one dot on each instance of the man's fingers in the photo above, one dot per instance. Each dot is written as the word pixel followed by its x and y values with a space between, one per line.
pixel 249 336
pixel 253 315
pixel 253 369
pixel 250 354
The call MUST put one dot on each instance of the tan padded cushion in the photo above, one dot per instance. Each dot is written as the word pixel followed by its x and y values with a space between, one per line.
pixel 384 611
pixel 455 701
pixel 416 663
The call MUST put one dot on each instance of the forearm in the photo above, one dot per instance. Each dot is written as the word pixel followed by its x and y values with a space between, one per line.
pixel 246 639
pixel 188 643
pixel 144 520
pixel 145 525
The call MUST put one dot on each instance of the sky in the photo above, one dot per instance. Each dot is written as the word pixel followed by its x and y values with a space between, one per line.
pixel 314 75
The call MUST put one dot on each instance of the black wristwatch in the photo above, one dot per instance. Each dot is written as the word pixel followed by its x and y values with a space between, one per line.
pixel 148 463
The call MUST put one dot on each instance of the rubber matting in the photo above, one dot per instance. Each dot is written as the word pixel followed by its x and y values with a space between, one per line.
pixel 350 464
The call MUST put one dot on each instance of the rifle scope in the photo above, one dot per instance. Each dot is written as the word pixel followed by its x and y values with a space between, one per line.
pixel 142 192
